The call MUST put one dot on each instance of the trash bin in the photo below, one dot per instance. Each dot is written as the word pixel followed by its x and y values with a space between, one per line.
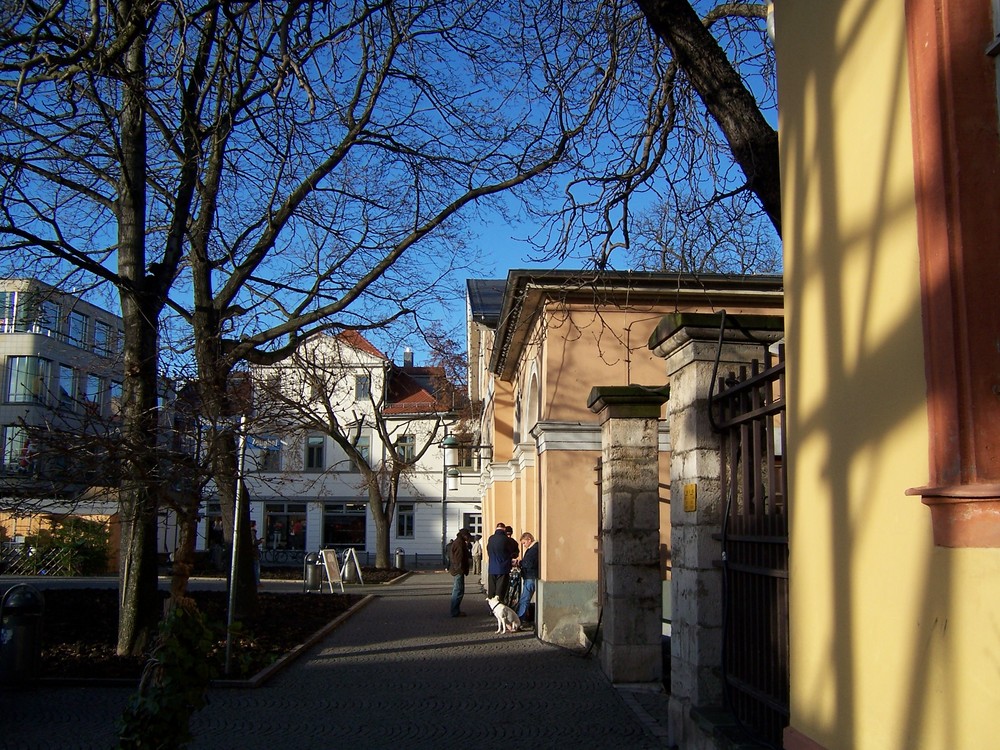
pixel 21 612
pixel 400 559
pixel 312 573
pixel 350 571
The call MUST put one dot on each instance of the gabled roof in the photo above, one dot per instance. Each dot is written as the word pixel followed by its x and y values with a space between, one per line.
pixel 409 389
pixel 355 340
pixel 406 395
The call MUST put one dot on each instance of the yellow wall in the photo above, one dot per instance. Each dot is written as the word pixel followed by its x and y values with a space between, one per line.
pixel 894 641
pixel 569 516
pixel 585 347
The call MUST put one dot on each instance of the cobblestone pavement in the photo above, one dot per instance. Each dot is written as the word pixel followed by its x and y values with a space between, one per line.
pixel 400 673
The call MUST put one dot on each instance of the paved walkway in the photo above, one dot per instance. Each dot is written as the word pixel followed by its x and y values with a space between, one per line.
pixel 399 674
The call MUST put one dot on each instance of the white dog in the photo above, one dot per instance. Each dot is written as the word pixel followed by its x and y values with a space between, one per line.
pixel 507 619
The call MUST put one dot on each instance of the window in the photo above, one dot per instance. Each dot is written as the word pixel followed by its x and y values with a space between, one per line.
pixel 474 523
pixel 406 448
pixel 8 304
pixel 115 398
pixel 268 453
pixel 91 393
pixel 26 379
pixel 67 392
pixel 14 312
pixel 466 458
pixel 362 387
pixel 315 460
pixel 102 338
pixel 286 526
pixel 404 521
pixel 16 450
pixel 76 328
pixel 344 525
pixel 47 321
pixel 316 390
pixel 364 448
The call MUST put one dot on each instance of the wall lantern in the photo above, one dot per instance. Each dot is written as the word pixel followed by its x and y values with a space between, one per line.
pixel 450 445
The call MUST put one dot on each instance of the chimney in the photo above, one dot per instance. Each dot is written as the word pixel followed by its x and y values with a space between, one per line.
pixel 407 357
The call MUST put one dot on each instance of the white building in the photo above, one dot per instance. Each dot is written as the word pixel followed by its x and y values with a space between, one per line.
pixel 306 491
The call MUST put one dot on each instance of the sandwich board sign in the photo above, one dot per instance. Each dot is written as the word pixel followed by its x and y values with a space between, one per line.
pixel 332 568
pixel 351 557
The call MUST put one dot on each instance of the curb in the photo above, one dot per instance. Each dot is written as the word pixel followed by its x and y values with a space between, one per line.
pixel 276 667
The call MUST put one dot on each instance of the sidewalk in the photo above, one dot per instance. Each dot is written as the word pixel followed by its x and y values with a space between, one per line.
pixel 399 674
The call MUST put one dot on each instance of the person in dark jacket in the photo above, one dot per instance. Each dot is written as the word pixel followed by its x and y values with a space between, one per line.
pixel 459 559
pixel 529 572
pixel 501 550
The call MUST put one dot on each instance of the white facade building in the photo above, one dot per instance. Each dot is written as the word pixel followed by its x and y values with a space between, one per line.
pixel 307 492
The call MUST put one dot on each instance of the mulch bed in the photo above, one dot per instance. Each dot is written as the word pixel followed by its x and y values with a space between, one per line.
pixel 79 629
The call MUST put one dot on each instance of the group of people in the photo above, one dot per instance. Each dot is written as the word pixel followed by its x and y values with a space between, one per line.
pixel 504 554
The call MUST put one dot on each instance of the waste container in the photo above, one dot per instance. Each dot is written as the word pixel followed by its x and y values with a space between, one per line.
pixel 351 574
pixel 21 612
pixel 312 572
pixel 400 559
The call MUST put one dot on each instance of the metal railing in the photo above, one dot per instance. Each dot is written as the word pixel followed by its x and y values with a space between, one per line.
pixel 292 558
pixel 750 411
pixel 22 560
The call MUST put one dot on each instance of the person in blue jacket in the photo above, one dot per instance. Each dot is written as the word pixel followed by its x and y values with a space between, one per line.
pixel 501 550
pixel 529 572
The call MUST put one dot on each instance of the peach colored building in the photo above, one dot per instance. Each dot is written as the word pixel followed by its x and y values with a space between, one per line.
pixel 539 342
pixel 890 152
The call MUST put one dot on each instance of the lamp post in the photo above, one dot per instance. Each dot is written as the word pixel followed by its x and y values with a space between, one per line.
pixel 449 473
pixel 451 476
pixel 237 530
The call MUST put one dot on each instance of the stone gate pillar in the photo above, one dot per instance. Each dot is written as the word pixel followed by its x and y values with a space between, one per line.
pixel 630 531
pixel 689 342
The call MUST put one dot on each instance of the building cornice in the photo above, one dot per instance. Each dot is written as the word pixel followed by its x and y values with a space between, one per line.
pixel 527 291
pixel 576 436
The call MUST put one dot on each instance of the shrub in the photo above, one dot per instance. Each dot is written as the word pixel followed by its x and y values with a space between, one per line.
pixel 84 541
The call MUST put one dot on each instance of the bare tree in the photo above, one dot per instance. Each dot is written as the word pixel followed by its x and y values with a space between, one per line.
pixel 686 128
pixel 268 171
pixel 690 236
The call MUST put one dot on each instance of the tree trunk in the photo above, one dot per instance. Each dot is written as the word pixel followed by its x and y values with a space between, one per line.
pixel 183 562
pixel 139 609
pixel 382 523
pixel 753 142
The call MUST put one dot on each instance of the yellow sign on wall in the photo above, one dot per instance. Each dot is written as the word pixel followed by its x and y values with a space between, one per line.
pixel 690 498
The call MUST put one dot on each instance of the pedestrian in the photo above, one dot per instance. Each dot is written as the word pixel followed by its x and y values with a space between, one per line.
pixel 529 572
pixel 217 545
pixel 501 550
pixel 255 550
pixel 477 556
pixel 459 559
pixel 515 551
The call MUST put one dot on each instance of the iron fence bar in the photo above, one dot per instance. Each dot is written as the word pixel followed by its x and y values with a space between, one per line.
pixel 753 478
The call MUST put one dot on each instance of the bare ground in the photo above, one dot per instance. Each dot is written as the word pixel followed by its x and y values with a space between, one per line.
pixel 79 629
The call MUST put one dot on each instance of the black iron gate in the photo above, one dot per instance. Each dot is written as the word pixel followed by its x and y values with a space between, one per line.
pixel 748 411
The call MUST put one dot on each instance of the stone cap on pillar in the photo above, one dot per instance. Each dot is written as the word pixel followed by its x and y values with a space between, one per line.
pixel 676 329
pixel 628 401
